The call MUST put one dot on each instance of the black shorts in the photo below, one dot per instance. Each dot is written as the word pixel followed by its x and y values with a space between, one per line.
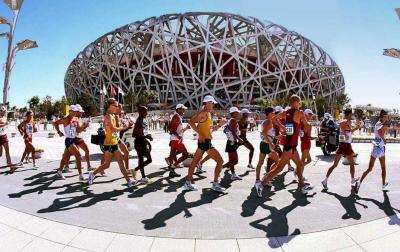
pixel 141 143
pixel 206 145
pixel 111 148
pixel 292 148
pixel 69 142
pixel 244 138
pixel 231 146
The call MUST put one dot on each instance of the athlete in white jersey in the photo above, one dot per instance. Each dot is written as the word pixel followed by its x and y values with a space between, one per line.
pixel 3 135
pixel 232 131
pixel 378 149
pixel 267 148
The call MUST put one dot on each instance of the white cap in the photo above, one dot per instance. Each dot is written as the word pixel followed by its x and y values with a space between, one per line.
pixel 287 108
pixel 180 105
pixel 3 108
pixel 79 108
pixel 244 111
pixel 209 98
pixel 233 110
pixel 72 108
pixel 327 115
pixel 278 109
pixel 308 111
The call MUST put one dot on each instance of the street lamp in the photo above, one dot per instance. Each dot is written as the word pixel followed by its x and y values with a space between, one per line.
pixel 393 52
pixel 15 6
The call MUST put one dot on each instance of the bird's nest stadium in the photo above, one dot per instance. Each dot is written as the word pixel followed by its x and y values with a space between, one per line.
pixel 186 56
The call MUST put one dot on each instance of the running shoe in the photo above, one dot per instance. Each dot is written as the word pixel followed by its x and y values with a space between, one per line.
pixel 199 169
pixel 81 178
pixel 325 184
pixel 66 169
pixel 259 189
pixel 60 175
pixel 35 166
pixel 20 164
pixel 133 173
pixel 250 166
pixel 146 181
pixel 167 161
pixel 354 181
pixel 305 179
pixel 132 183
pixel 217 187
pixel 306 189
pixel 91 177
pixel 384 187
pixel 357 187
pixel 188 186
pixel 173 174
pixel 235 177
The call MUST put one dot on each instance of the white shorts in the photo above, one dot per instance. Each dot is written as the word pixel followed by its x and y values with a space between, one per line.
pixel 378 151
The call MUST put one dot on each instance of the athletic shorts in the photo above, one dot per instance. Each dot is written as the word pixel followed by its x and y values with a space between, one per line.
pixel 305 145
pixel 345 149
pixel 176 144
pixel 141 143
pixel 3 139
pixel 69 142
pixel 206 145
pixel 79 140
pixel 264 148
pixel 231 146
pixel 290 147
pixel 111 148
pixel 378 151
pixel 244 138
pixel 28 139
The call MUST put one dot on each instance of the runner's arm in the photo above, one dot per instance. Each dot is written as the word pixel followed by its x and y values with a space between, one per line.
pixel 276 121
pixel 57 126
pixel 266 127
pixel 381 133
pixel 195 119
pixel 20 128
pixel 174 120
pixel 233 125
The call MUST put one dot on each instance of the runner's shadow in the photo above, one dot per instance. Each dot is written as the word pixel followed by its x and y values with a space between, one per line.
pixel 324 158
pixel 387 208
pixel 278 225
pixel 349 204
pixel 180 205
pixel 64 204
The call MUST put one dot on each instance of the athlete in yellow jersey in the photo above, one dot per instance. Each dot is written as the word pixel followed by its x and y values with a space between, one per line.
pixel 111 144
pixel 202 124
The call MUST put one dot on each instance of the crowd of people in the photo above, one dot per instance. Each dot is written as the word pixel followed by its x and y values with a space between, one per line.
pixel 281 132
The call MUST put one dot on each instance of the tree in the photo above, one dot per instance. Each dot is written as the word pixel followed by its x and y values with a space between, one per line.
pixel 359 113
pixel 322 105
pixel 306 104
pixel 131 99
pixel 341 101
pixel 264 103
pixel 87 104
pixel 33 103
pixel 147 96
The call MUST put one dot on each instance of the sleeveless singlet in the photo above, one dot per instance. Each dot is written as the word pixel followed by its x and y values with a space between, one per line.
pixel 378 141
pixel 111 136
pixel 292 129
pixel 3 128
pixel 342 138
pixel 205 128
pixel 271 132
pixel 228 131
pixel 178 127
pixel 28 130
pixel 71 130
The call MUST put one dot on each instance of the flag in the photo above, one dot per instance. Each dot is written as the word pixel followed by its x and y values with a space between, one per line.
pixel 113 91
pixel 104 91
pixel 120 91
pixel 67 109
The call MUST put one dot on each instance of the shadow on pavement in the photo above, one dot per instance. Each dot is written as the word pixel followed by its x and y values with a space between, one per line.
pixel 178 206
pixel 349 204
pixel 278 225
pixel 387 208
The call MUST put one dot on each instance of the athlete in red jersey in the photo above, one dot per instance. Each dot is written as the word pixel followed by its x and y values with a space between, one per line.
pixel 291 130
pixel 26 128
pixel 305 137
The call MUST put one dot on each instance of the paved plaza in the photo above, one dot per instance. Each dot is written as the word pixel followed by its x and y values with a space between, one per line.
pixel 39 211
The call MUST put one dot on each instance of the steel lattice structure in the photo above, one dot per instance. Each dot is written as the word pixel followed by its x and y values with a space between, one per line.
pixel 186 56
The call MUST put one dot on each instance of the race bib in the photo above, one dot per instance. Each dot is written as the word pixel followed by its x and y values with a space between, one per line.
pixel 115 135
pixel 289 129
pixel 341 138
pixel 2 130
pixel 72 132
pixel 301 133
pixel 378 140
pixel 29 130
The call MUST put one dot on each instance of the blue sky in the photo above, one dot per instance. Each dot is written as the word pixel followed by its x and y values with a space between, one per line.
pixel 353 32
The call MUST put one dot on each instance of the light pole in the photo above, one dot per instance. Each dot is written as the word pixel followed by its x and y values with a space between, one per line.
pixel 393 52
pixel 15 6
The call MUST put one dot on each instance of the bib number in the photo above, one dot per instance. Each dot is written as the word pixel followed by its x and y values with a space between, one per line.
pixel 72 132
pixel 378 140
pixel 289 129
pixel 301 133
pixel 2 130
pixel 341 138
